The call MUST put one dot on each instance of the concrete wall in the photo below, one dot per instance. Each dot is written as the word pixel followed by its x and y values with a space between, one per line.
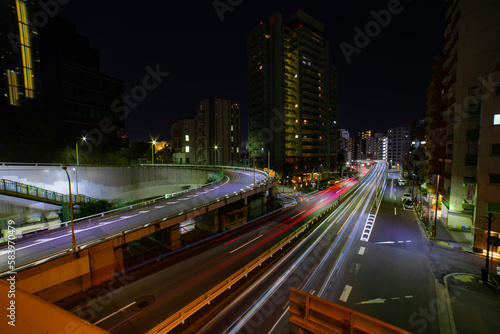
pixel 115 184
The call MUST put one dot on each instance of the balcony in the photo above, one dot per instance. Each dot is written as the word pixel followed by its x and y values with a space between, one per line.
pixel 471 160
pixel 472 134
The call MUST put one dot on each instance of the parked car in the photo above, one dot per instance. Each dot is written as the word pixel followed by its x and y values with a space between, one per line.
pixel 402 182
pixel 405 197
pixel 408 204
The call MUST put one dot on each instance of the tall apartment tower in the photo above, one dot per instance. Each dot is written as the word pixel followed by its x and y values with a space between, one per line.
pixel 398 145
pixel 292 95
pixel 471 94
pixel 218 133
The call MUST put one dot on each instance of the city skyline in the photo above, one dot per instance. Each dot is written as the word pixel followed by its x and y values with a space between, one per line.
pixel 210 56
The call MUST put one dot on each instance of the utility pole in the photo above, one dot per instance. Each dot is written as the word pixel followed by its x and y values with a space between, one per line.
pixel 436 211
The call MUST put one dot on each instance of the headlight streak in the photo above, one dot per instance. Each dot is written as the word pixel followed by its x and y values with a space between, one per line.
pixel 344 252
pixel 243 318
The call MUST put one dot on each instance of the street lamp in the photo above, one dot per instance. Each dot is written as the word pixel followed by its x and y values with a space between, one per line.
pixel 73 239
pixel 268 158
pixel 77 156
pixel 218 154
pixel 153 151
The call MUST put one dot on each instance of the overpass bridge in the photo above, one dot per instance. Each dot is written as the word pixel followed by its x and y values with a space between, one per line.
pixel 46 266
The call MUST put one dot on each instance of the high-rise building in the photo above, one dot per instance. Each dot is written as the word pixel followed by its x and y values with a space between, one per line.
pixel 77 97
pixel 292 95
pixel 435 146
pixel 344 144
pixel 381 152
pixel 51 75
pixel 212 137
pixel 183 139
pixel 352 148
pixel 471 93
pixel 19 63
pixel 218 134
pixel 366 145
pixel 398 145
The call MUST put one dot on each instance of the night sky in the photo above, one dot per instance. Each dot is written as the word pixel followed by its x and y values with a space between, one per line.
pixel 384 85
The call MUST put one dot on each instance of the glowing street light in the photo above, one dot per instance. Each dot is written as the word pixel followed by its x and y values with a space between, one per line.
pixel 218 154
pixel 153 145
pixel 77 156
pixel 73 239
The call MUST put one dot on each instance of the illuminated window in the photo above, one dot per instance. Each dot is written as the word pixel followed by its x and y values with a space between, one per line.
pixel 25 42
pixel 260 68
pixel 232 128
pixel 496 119
pixel 187 149
pixel 187 137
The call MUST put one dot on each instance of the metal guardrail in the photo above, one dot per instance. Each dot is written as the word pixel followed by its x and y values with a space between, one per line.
pixel 133 229
pixel 17 189
pixel 318 315
pixel 205 299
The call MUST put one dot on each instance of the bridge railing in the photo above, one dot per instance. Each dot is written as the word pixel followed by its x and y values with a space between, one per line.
pixel 18 189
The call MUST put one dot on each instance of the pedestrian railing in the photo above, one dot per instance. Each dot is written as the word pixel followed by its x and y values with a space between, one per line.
pixel 17 189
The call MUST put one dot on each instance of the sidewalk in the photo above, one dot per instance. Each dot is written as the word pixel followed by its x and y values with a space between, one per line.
pixel 454 239
pixel 471 306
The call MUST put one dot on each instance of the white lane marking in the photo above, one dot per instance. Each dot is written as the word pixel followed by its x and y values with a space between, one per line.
pixel 395 298
pixel 112 314
pixel 144 211
pixel 394 210
pixel 127 217
pixel 159 206
pixel 373 301
pixel 345 294
pixel 400 242
pixel 408 240
pixel 234 250
pixel 409 296
pixel 361 250
pixel 183 199
pixel 385 242
pixel 172 202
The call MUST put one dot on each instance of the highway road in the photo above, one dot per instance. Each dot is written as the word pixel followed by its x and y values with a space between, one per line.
pixel 164 292
pixel 35 247
pixel 312 266
pixel 387 276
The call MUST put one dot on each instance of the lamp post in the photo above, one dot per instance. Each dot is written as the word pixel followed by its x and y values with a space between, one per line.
pixel 73 239
pixel 217 155
pixel 436 212
pixel 268 158
pixel 77 156
pixel 153 145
